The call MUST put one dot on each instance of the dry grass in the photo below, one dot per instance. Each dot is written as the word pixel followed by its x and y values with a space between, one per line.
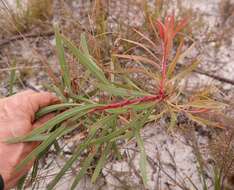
pixel 25 16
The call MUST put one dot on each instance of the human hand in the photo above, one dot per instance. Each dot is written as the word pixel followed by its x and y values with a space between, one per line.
pixel 17 115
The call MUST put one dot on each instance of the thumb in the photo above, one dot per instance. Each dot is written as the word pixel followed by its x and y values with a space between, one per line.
pixel 42 120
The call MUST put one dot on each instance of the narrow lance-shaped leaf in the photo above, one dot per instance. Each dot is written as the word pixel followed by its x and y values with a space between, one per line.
pixel 137 123
pixel 43 137
pixel 21 182
pixel 131 84
pixel 143 158
pixel 53 108
pixel 217 178
pixel 84 45
pixel 101 162
pixel 62 61
pixel 86 61
pixel 82 110
pixel 102 123
pixel 118 91
pixel 68 165
pixel 173 119
pixel 40 148
pixel 57 91
pixel 79 149
pixel 86 164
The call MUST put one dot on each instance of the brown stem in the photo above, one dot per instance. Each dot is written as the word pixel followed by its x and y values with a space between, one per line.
pixel 21 37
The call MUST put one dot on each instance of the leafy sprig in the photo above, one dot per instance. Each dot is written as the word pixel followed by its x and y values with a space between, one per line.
pixel 115 111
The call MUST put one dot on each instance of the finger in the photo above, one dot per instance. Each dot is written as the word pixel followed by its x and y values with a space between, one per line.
pixel 16 176
pixel 43 120
pixel 28 103
pixel 24 93
pixel 42 99
pixel 19 97
pixel 35 99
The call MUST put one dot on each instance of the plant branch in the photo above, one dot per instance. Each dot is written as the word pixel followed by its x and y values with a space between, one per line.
pixel 21 37
pixel 221 79
pixel 124 103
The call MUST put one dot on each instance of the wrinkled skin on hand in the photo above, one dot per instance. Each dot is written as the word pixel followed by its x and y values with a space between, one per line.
pixel 17 115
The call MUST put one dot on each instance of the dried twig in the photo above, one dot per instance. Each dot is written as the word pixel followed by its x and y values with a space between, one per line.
pixel 21 37
pixel 221 79
pixel 216 77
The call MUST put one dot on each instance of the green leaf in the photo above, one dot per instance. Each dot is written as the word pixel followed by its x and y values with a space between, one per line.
pixel 143 158
pixel 142 106
pixel 63 64
pixel 102 123
pixel 39 137
pixel 131 83
pixel 84 45
pixel 34 171
pixel 53 108
pixel 127 135
pixel 135 107
pixel 40 148
pixel 81 110
pixel 101 162
pixel 93 129
pixel 137 123
pixel 57 91
pixel 217 179
pixel 68 165
pixel 110 136
pixel 140 120
pixel 86 61
pixel 42 137
pixel 173 119
pixel 118 91
pixel 21 182
pixel 86 164
pixel 200 162
pixel 18 4
pixel 118 110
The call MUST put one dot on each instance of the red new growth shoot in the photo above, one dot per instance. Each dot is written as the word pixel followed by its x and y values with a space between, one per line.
pixel 167 32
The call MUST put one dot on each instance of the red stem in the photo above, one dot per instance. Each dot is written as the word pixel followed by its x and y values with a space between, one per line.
pixel 129 102
pixel 164 67
pixel 163 75
pixel 158 97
